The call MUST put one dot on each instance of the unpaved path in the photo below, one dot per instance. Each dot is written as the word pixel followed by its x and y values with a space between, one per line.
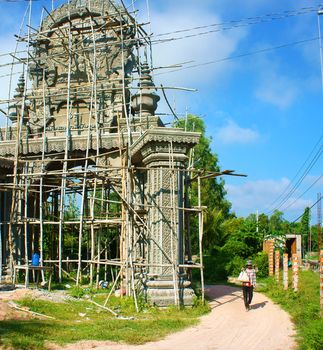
pixel 227 327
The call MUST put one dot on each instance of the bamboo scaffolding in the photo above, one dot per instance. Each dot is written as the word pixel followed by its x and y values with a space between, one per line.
pixel 45 181
pixel 173 224
pixel 67 137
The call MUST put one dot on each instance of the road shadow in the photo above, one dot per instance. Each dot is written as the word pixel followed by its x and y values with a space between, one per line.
pixel 258 305
pixel 220 295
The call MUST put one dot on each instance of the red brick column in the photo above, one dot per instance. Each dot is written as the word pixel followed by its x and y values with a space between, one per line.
pixel 271 258
pixel 277 264
pixel 285 271
pixel 295 272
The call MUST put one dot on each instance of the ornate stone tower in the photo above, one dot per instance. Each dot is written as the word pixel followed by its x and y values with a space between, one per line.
pixel 82 124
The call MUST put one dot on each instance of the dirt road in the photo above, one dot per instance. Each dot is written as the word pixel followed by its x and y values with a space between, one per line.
pixel 227 327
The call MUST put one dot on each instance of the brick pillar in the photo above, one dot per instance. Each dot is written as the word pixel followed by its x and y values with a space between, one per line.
pixel 285 271
pixel 271 258
pixel 295 272
pixel 277 264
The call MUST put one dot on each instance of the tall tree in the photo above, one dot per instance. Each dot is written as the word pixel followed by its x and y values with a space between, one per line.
pixel 212 190
pixel 305 227
pixel 244 241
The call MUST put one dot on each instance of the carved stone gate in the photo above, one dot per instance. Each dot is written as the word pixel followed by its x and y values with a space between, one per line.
pixel 81 128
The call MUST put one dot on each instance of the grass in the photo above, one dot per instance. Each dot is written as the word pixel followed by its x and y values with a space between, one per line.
pixel 69 326
pixel 303 306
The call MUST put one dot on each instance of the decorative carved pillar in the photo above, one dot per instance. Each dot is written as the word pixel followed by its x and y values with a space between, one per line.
pixel 164 193
pixel 162 153
pixel 166 284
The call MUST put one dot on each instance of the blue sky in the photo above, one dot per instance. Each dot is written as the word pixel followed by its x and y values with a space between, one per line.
pixel 263 111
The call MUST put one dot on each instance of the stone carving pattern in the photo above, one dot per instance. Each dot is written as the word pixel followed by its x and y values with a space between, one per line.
pixel 49 69
pixel 160 214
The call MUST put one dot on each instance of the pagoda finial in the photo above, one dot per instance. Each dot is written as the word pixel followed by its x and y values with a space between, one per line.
pixel 144 102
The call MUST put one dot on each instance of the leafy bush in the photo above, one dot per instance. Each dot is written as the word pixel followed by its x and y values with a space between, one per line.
pixel 77 292
pixel 261 262
pixel 233 267
pixel 214 268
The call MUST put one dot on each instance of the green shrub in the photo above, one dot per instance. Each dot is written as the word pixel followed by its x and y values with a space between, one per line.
pixel 303 306
pixel 233 267
pixel 261 262
pixel 77 292
pixel 214 268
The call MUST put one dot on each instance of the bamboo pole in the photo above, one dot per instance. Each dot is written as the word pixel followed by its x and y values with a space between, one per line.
pixel 20 119
pixel 113 287
pixel 173 223
pixel 41 184
pixel 66 154
pixel 25 223
pixel 99 247
pixel 85 174
pixel 106 258
pixel 92 234
pixel 201 238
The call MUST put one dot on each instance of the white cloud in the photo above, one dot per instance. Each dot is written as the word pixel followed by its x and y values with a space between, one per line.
pixel 198 49
pixel 277 89
pixel 259 195
pixel 315 180
pixel 232 133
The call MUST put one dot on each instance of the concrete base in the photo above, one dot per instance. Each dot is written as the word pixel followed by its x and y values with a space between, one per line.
pixel 161 293
pixel 6 287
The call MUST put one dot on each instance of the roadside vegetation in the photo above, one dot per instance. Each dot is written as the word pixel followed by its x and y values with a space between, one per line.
pixel 303 306
pixel 228 242
pixel 79 319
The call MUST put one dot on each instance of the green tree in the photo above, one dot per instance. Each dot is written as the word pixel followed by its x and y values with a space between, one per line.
pixel 304 227
pixel 263 225
pixel 314 238
pixel 212 189
pixel 276 224
pixel 245 241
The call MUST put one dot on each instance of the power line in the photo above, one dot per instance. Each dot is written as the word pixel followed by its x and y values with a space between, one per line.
pixel 298 183
pixel 303 193
pixel 299 170
pixel 309 208
pixel 251 53
pixel 228 25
